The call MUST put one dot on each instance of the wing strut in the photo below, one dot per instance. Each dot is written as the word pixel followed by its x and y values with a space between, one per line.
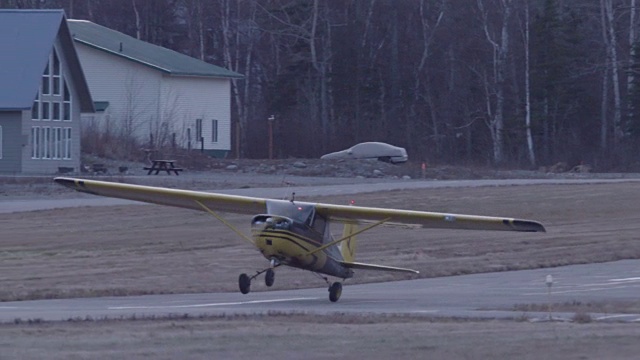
pixel 348 236
pixel 225 222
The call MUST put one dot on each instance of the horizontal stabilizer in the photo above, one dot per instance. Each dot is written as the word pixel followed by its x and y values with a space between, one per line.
pixel 356 265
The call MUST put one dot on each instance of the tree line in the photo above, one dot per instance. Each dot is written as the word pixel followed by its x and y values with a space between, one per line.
pixel 500 82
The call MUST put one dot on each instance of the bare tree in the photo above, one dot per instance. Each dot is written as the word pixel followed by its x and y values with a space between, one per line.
pixel 611 44
pixel 496 84
pixel 527 85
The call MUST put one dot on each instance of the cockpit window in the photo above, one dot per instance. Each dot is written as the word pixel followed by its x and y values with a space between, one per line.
pixel 302 213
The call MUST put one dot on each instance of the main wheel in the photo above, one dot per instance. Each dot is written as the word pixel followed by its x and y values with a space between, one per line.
pixel 244 283
pixel 335 290
pixel 269 277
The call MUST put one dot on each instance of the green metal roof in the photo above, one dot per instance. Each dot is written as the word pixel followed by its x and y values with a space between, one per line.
pixel 157 57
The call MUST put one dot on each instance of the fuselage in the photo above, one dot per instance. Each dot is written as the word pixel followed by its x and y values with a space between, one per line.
pixel 291 242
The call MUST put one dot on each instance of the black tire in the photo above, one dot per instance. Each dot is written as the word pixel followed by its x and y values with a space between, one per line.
pixel 244 283
pixel 270 277
pixel 335 290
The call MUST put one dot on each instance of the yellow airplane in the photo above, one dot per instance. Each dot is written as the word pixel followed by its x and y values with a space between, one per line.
pixel 297 234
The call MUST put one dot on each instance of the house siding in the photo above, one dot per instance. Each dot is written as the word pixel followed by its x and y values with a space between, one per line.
pixel 186 99
pixel 49 166
pixel 10 121
pixel 160 105
pixel 131 89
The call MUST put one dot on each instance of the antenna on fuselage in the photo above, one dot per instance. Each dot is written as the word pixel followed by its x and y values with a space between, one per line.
pixel 293 197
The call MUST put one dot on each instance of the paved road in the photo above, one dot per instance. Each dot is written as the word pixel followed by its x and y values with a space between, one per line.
pixel 490 295
pixel 309 191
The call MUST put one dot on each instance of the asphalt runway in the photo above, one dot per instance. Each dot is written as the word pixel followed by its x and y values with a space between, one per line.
pixel 488 295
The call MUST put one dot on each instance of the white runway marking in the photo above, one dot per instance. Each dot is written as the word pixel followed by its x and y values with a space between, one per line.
pixel 206 305
pixel 618 317
pixel 633 279
pixel 569 291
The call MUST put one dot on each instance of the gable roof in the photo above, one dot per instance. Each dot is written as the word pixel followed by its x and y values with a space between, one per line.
pixel 157 57
pixel 26 40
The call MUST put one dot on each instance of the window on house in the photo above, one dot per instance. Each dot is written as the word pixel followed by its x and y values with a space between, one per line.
pixel 58 143
pixel 198 130
pixel 56 63
pixel 35 142
pixel 56 111
pixel 66 136
pixel 66 105
pixel 57 71
pixel 35 109
pixel 46 140
pixel 46 84
pixel 214 130
pixel 46 113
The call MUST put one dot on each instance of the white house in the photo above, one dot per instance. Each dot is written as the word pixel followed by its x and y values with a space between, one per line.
pixel 42 93
pixel 154 93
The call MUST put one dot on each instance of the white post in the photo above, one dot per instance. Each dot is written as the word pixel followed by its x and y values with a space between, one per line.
pixel 549 282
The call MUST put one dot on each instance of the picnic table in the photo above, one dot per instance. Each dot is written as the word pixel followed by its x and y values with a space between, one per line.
pixel 163 165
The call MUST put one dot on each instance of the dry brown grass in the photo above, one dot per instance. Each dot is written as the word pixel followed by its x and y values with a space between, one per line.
pixel 292 337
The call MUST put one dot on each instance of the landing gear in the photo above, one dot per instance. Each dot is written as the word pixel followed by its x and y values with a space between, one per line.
pixel 335 290
pixel 269 277
pixel 244 283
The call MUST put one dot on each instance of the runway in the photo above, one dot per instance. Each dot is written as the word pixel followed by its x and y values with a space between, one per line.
pixel 487 295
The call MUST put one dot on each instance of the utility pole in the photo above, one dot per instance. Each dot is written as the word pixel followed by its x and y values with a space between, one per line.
pixel 270 121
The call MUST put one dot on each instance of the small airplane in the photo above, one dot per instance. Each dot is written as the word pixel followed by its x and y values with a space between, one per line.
pixel 297 234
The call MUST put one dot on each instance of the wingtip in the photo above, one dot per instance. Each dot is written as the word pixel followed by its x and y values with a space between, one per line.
pixel 528 226
pixel 64 181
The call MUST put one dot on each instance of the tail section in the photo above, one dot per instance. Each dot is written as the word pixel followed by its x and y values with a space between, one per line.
pixel 348 247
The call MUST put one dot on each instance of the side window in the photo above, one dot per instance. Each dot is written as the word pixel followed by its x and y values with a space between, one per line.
pixel 66 107
pixel 198 130
pixel 214 130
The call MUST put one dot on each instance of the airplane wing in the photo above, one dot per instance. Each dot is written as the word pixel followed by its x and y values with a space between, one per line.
pixel 425 219
pixel 164 196
pixel 251 205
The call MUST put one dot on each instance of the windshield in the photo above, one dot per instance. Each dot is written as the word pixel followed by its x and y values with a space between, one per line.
pixel 297 212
